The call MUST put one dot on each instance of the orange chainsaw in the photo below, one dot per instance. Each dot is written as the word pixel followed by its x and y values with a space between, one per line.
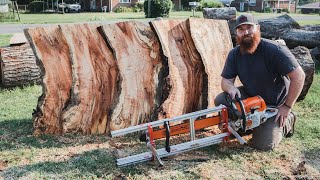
pixel 241 115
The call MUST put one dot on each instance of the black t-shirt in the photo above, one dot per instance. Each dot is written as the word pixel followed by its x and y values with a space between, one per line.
pixel 263 72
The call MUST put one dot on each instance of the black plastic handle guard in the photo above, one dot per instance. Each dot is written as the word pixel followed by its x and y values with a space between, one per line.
pixel 243 114
pixel 167 145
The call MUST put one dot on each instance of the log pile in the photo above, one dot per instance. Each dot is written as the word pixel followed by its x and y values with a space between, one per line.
pixel 124 74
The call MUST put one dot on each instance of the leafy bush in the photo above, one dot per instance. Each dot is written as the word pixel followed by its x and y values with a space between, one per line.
pixel 121 9
pixel 158 8
pixel 37 6
pixel 209 4
pixel 7 17
pixel 285 10
pixel 267 10
pixel 138 7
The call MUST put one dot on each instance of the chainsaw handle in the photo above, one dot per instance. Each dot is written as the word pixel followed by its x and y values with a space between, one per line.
pixel 243 113
pixel 167 144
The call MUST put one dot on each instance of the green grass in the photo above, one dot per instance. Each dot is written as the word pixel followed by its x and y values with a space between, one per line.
pixel 4 39
pixel 47 18
pixel 44 18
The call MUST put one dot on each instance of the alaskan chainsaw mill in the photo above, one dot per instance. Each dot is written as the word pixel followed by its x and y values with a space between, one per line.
pixel 241 115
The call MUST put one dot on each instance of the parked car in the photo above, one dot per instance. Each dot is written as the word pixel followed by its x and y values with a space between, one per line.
pixel 69 7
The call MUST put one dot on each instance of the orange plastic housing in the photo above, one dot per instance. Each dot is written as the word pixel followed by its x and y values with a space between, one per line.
pixel 255 102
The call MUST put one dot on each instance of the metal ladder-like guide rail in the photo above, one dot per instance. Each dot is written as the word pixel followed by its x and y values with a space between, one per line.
pixel 174 149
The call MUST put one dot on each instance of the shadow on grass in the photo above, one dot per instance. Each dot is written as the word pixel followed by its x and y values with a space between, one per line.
pixel 96 163
pixel 15 134
pixel 313 158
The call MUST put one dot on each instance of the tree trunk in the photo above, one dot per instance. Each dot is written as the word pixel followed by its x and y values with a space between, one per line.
pixel 18 66
pixel 304 58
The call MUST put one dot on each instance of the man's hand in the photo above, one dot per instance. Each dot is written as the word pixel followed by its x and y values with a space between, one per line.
pixel 283 113
pixel 233 92
pixel 227 85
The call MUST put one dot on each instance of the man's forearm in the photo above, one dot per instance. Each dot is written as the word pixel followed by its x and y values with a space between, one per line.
pixel 296 84
pixel 227 84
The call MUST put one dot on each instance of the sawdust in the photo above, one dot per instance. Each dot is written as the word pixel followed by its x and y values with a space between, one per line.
pixel 3 165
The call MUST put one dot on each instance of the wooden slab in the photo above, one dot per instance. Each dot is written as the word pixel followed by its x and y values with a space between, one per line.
pixel 94 76
pixel 213 41
pixel 137 53
pixel 53 57
pixel 186 70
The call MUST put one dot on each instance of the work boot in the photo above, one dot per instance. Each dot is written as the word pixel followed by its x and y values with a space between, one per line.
pixel 292 117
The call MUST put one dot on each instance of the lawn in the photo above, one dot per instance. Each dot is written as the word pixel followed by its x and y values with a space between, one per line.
pixel 48 18
pixel 75 156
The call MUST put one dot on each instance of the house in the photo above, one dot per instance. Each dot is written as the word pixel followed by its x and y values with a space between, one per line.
pixel 4 8
pixel 111 5
pixel 260 5
pixel 310 8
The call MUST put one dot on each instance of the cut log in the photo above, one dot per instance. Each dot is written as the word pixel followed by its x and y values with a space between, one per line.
pixel 53 57
pixel 18 66
pixel 94 76
pixel 298 37
pixel 18 39
pixel 277 27
pixel 315 54
pixel 304 58
pixel 213 51
pixel 226 13
pixel 137 52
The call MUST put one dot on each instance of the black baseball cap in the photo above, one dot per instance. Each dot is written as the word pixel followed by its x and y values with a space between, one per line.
pixel 245 19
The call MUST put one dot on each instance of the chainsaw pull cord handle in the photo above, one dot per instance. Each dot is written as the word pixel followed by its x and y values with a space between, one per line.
pixel 243 114
pixel 167 145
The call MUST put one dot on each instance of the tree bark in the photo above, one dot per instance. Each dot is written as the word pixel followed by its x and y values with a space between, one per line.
pixel 18 66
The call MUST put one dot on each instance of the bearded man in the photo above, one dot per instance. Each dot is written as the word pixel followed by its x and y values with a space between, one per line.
pixel 268 69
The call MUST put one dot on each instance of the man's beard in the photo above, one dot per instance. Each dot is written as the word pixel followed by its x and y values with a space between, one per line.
pixel 249 43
